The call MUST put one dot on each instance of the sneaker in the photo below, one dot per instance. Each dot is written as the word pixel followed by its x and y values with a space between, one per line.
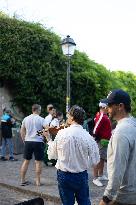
pixel 25 183
pixel 3 159
pixel 103 178
pixel 97 182
pixel 13 159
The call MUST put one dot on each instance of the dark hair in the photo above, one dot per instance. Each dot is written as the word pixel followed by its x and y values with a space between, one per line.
pixel 50 108
pixel 77 113
pixel 8 111
pixel 58 113
pixel 36 107
pixel 127 108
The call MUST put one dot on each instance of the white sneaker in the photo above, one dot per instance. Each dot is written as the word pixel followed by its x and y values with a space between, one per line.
pixel 97 182
pixel 103 178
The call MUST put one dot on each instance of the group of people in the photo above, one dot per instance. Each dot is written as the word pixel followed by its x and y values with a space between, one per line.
pixel 75 150
pixel 34 143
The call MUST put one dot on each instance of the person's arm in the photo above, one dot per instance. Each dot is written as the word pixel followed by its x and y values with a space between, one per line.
pixel 52 148
pixel 93 151
pixel 98 124
pixel 13 121
pixel 98 127
pixel 23 133
pixel 106 203
pixel 118 154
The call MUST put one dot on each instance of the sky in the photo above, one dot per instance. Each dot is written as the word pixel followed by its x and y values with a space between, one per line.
pixel 104 29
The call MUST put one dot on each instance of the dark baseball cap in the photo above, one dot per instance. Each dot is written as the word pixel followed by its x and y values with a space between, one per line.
pixel 117 96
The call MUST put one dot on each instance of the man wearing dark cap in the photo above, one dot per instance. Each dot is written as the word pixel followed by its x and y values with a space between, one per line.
pixel 74 148
pixel 121 157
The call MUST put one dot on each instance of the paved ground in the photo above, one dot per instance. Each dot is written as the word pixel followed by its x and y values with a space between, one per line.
pixel 10 196
pixel 11 192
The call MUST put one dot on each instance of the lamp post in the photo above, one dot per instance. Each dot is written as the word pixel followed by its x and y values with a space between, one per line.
pixel 68 48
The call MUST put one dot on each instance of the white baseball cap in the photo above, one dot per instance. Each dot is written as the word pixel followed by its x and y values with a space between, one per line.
pixel 103 105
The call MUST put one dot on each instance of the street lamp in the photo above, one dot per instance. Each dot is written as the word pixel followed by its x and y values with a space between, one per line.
pixel 68 48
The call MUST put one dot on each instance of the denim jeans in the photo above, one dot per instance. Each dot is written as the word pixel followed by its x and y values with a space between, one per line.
pixel 5 142
pixel 73 186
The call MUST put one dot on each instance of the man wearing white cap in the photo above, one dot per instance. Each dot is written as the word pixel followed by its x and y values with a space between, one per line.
pixel 102 134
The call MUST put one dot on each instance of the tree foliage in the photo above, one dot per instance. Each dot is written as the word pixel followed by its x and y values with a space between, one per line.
pixel 31 63
pixel 126 81
pixel 34 68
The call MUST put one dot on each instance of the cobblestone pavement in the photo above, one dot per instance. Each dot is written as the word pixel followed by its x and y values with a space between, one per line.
pixel 9 196
pixel 11 192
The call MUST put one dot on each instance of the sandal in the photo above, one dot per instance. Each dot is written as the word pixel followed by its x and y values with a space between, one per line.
pixel 25 183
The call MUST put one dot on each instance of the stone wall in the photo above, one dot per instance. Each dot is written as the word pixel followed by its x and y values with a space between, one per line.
pixel 6 102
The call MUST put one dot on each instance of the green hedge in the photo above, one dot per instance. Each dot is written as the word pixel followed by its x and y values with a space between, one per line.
pixel 33 67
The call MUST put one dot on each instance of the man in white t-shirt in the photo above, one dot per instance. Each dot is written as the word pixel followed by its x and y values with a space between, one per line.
pixel 58 119
pixel 49 117
pixel 33 144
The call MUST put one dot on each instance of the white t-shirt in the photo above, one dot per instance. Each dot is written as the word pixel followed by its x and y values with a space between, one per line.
pixel 32 124
pixel 48 119
pixel 54 123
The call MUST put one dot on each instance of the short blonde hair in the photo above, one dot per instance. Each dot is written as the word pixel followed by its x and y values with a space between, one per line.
pixel 36 107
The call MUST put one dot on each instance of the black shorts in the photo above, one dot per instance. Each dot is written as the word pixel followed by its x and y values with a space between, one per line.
pixel 36 148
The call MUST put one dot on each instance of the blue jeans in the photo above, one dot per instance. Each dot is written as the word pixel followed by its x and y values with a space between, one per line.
pixel 5 142
pixel 73 186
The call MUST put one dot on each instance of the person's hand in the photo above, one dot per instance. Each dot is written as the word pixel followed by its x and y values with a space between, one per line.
pixel 111 203
pixel 46 127
pixel 13 120
pixel 103 203
pixel 46 134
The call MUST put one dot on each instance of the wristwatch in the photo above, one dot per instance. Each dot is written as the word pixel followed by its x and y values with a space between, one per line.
pixel 106 199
